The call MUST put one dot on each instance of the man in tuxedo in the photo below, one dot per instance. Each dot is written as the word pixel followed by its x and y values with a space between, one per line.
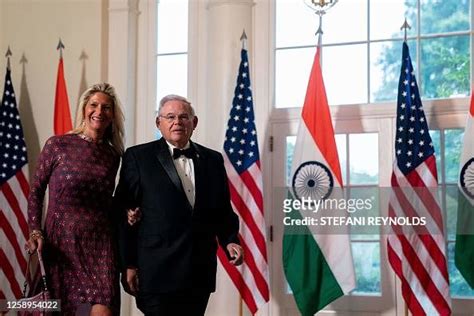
pixel 180 187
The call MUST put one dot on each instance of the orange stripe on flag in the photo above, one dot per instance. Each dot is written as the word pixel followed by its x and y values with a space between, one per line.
pixel 62 115
pixel 317 118
pixel 471 108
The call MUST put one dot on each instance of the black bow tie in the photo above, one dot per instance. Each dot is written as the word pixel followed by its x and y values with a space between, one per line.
pixel 188 153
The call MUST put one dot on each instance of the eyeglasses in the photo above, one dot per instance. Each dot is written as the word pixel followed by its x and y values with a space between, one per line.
pixel 172 117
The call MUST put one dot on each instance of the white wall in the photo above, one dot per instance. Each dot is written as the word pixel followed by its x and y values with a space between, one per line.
pixel 33 28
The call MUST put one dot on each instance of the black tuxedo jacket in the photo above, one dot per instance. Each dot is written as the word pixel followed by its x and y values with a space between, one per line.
pixel 174 245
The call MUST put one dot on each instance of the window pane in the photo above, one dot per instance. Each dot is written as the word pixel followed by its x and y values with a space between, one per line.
pixel 172 26
pixel 341 144
pixel 386 18
pixel 384 72
pixel 354 26
pixel 367 268
pixel 345 74
pixel 365 193
pixel 364 158
pixel 290 149
pixel 458 286
pixel 453 141
pixel 444 16
pixel 451 210
pixel 172 74
pixel 296 24
pixel 446 67
pixel 292 69
pixel 385 63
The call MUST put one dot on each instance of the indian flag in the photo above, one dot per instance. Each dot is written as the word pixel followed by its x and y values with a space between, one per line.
pixel 318 267
pixel 464 249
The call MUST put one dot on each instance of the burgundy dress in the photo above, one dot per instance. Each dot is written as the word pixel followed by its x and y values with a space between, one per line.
pixel 79 252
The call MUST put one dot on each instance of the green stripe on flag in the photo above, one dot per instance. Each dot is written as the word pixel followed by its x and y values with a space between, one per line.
pixel 307 272
pixel 464 249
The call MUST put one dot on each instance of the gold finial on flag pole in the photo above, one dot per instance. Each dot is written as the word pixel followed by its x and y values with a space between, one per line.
pixel 7 55
pixel 405 26
pixel 243 39
pixel 60 47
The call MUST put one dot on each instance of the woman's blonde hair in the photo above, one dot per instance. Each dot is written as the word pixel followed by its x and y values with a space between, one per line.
pixel 114 134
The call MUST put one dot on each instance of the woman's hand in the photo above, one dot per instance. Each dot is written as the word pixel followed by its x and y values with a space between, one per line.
pixel 134 216
pixel 35 241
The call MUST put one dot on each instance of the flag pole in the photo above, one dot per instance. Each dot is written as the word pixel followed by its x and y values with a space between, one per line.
pixel 243 40
pixel 23 60
pixel 62 113
pixel 320 8
pixel 60 47
pixel 405 26
pixel 320 28
pixel 7 55
pixel 301 252
pixel 320 33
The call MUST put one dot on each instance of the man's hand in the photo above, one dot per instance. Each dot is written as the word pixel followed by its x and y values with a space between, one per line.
pixel 130 281
pixel 236 253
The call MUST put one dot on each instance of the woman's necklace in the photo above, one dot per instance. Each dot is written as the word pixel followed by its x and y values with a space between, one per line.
pixel 90 139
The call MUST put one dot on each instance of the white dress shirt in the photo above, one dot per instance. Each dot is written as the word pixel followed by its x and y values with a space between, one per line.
pixel 185 168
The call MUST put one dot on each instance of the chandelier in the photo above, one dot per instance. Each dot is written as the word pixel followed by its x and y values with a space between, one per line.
pixel 320 6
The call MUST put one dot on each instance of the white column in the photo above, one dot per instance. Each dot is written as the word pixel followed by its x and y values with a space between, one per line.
pixel 2 45
pixel 226 21
pixel 121 73
pixel 146 72
pixel 122 64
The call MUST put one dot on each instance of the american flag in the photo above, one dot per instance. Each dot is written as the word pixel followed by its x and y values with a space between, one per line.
pixel 242 164
pixel 418 259
pixel 13 197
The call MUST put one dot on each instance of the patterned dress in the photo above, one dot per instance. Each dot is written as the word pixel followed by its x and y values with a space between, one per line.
pixel 79 252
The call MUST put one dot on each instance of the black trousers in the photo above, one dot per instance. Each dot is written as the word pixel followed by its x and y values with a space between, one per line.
pixel 190 302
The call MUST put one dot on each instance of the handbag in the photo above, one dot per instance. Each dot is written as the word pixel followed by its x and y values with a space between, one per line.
pixel 38 304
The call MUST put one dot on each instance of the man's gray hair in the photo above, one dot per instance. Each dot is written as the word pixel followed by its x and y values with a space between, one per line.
pixel 175 97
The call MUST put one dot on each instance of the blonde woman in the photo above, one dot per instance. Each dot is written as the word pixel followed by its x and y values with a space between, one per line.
pixel 78 242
